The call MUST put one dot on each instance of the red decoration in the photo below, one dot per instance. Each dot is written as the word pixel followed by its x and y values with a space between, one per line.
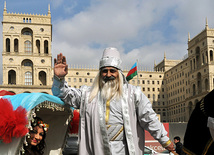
pixel 12 122
pixel 75 122
pixel 4 92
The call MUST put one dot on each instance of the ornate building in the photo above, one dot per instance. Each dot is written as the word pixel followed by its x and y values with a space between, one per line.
pixel 174 87
pixel 26 55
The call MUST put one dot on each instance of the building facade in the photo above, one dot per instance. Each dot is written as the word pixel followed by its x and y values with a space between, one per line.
pixel 173 87
pixel 26 55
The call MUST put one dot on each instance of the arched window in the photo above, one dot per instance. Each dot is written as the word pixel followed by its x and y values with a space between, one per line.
pixel 198 60
pixel 27 33
pixel 199 84
pixel 16 45
pixel 194 91
pixel 211 55
pixel 206 85
pixel 38 46
pixel 46 47
pixel 12 77
pixel 28 63
pixel 28 46
pixel 7 45
pixel 28 78
pixel 42 78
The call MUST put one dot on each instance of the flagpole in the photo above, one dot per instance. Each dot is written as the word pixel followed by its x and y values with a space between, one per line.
pixel 137 72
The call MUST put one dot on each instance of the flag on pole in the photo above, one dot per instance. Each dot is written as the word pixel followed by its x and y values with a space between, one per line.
pixel 132 72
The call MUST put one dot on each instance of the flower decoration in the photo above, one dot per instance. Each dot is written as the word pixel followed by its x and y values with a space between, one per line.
pixel 40 124
pixel 12 122
pixel 44 125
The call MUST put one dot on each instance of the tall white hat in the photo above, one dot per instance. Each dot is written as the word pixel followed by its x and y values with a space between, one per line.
pixel 111 58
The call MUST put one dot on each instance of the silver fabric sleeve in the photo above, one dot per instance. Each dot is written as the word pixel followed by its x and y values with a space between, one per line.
pixel 71 96
pixel 148 118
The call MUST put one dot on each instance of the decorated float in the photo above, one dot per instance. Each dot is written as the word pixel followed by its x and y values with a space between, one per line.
pixel 16 113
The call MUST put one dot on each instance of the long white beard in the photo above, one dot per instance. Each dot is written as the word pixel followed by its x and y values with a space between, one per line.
pixel 109 89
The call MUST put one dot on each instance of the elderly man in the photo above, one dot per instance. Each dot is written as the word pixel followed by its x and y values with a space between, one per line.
pixel 113 113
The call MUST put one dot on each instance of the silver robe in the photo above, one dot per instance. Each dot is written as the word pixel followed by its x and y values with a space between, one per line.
pixel 133 110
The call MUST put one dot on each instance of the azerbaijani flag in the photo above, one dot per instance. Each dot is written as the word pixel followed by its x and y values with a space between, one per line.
pixel 132 72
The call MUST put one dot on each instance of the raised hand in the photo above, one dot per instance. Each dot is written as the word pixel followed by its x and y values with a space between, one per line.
pixel 60 66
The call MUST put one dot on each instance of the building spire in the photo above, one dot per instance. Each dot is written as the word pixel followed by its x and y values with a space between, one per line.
pixel 49 9
pixel 206 24
pixel 5 9
pixel 188 36
pixel 164 55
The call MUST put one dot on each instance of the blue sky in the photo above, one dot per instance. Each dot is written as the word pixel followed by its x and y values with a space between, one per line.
pixel 140 29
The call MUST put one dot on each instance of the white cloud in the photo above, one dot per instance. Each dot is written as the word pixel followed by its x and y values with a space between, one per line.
pixel 108 23
pixel 140 29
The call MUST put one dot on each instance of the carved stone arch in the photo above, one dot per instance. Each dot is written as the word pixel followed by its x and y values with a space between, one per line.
pixel 27 31
pixel 43 78
pixel 11 77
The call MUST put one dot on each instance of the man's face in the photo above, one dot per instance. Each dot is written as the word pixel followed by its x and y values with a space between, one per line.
pixel 109 73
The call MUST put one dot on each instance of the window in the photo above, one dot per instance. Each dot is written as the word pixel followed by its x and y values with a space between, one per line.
pixel 38 46
pixel 86 80
pixel 28 78
pixel 46 47
pixel 28 47
pixel 28 63
pixel 80 80
pixel 16 43
pixel 91 80
pixel 75 80
pixel 27 33
pixel 7 45
pixel 69 79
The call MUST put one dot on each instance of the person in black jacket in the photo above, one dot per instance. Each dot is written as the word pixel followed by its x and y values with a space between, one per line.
pixel 178 145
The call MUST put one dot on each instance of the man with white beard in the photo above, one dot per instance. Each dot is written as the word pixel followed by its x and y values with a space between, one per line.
pixel 113 113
